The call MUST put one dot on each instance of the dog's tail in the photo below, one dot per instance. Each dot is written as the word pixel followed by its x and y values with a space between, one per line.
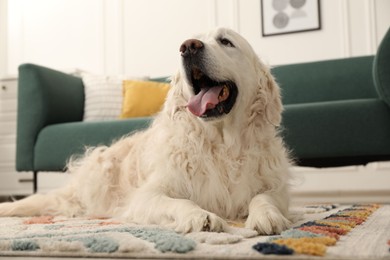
pixel 59 202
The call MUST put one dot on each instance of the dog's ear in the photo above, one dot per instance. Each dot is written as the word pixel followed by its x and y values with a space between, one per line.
pixel 273 105
pixel 175 99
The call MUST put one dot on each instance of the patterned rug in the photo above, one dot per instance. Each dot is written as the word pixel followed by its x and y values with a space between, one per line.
pixel 327 231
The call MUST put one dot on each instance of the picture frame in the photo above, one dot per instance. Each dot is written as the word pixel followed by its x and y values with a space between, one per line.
pixel 289 16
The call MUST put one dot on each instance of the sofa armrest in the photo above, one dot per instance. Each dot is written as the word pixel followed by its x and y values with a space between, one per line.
pixel 45 97
pixel 381 69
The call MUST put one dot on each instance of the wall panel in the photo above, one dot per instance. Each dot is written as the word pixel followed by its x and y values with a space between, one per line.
pixel 141 37
pixel 382 18
pixel 56 33
pixel 154 31
pixel 3 37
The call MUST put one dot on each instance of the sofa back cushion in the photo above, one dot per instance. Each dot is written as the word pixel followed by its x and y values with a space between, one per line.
pixel 103 97
pixel 330 80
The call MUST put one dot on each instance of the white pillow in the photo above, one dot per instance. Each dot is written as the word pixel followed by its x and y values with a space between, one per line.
pixel 103 97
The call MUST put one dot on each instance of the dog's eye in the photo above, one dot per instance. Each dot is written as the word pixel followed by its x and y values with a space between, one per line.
pixel 226 42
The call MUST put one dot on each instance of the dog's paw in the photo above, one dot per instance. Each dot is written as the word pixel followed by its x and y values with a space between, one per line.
pixel 200 220
pixel 267 221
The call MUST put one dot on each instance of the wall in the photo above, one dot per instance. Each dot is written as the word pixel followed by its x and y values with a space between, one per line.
pixel 141 37
pixel 59 33
pixel 3 37
pixel 349 28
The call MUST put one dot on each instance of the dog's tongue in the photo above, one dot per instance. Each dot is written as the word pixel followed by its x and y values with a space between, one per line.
pixel 205 99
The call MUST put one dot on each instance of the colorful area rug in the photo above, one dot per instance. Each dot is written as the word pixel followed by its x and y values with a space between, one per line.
pixel 327 231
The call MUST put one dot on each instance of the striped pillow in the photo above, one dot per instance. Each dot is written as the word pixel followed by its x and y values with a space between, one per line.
pixel 103 97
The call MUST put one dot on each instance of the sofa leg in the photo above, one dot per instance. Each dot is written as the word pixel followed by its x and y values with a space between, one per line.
pixel 35 181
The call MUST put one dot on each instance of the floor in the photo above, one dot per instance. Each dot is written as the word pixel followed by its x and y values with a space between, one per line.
pixel 73 258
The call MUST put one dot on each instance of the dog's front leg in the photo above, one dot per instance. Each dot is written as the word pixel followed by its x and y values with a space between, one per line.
pixel 267 213
pixel 182 215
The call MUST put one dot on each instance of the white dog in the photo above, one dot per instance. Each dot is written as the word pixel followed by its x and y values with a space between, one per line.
pixel 212 154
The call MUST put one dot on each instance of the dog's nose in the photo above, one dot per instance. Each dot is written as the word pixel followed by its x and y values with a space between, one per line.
pixel 190 47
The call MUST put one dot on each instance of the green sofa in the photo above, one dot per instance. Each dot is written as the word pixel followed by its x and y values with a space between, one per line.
pixel 337 112
pixel 334 114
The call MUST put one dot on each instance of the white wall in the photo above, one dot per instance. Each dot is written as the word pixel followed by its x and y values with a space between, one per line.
pixel 349 28
pixel 142 37
pixel 155 31
pixel 59 33
pixel 3 37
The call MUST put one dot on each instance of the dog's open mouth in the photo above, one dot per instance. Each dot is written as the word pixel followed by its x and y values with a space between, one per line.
pixel 212 98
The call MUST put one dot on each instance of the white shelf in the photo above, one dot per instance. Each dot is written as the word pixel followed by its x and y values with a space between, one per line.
pixel 12 182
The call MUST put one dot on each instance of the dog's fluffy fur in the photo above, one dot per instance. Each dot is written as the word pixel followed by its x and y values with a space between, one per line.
pixel 188 172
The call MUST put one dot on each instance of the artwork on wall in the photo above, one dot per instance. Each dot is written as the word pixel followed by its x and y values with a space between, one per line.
pixel 289 16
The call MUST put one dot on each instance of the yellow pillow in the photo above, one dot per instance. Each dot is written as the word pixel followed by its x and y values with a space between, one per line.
pixel 143 98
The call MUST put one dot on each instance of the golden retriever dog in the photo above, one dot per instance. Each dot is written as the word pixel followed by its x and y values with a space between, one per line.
pixel 212 154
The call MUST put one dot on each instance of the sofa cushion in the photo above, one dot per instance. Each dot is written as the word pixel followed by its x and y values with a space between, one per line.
pixel 143 98
pixel 329 80
pixel 56 143
pixel 337 129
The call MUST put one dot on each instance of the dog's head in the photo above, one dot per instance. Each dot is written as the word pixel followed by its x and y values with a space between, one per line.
pixel 222 76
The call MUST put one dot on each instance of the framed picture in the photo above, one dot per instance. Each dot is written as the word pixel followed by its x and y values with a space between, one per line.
pixel 289 16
